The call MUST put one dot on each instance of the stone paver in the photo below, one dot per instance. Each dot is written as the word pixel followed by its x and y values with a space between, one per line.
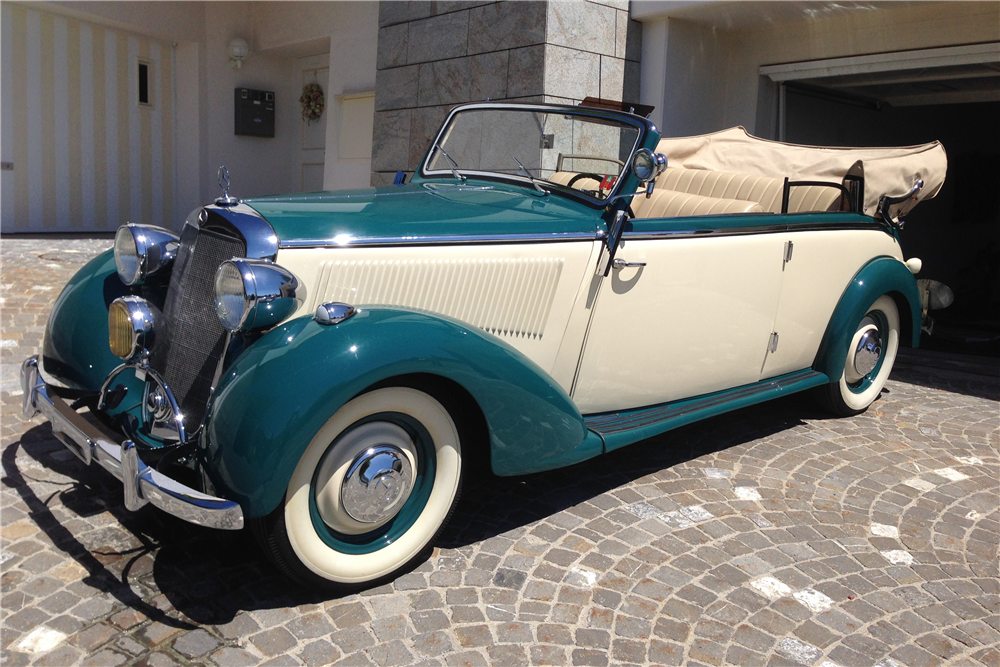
pixel 771 535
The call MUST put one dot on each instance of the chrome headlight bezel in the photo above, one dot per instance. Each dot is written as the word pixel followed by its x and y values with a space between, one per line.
pixel 270 294
pixel 647 165
pixel 155 250
pixel 142 318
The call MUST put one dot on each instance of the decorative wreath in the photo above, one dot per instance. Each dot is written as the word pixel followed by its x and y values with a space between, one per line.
pixel 312 102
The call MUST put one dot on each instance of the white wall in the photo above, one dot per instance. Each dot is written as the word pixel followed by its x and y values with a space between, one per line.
pixel 349 31
pixel 257 165
pixel 704 77
pixel 278 32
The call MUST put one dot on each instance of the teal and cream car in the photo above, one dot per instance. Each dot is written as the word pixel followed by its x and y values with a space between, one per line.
pixel 553 283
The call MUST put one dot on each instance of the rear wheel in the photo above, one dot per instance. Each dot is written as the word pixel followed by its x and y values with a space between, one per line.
pixel 869 361
pixel 375 485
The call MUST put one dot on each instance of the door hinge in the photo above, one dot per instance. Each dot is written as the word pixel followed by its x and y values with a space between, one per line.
pixel 773 343
pixel 788 253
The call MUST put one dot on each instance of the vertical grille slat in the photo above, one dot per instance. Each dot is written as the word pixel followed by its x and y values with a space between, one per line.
pixel 195 336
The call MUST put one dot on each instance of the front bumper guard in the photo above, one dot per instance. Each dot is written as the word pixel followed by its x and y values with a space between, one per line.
pixel 142 484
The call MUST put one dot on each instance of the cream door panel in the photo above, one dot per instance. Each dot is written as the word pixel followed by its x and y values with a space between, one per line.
pixel 696 319
pixel 523 294
pixel 822 265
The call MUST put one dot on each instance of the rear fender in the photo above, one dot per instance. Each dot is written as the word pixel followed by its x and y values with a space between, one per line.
pixel 285 386
pixel 882 275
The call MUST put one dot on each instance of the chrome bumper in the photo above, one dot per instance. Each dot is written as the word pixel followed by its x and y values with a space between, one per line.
pixel 142 483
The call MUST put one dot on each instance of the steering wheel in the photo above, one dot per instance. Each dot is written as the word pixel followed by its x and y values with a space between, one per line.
pixel 582 175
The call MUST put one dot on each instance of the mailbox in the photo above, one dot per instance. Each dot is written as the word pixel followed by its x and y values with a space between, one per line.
pixel 254 112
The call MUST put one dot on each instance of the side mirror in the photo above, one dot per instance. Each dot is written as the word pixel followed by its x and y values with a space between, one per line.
pixel 647 165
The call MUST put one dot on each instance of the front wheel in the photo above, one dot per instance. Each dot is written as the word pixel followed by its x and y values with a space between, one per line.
pixel 869 361
pixel 375 485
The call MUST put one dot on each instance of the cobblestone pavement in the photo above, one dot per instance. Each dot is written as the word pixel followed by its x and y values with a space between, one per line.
pixel 771 535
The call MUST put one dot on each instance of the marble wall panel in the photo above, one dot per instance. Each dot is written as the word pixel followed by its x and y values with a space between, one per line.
pixel 582 25
pixel 444 82
pixel 392 12
pixel 438 37
pixel 391 140
pixel 526 72
pixel 571 73
pixel 617 4
pixel 380 178
pixel 612 78
pixel 433 55
pixel 424 124
pixel 506 25
pixel 392 43
pixel 396 88
pixel 488 76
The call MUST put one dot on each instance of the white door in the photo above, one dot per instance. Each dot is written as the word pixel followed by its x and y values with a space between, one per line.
pixel 312 151
pixel 695 319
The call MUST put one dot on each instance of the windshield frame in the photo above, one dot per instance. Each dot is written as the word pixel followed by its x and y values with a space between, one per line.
pixel 643 126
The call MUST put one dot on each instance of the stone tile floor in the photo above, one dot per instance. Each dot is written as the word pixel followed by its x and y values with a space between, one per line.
pixel 767 536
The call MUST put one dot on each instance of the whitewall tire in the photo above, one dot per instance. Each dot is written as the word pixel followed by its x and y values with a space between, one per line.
pixel 372 489
pixel 870 356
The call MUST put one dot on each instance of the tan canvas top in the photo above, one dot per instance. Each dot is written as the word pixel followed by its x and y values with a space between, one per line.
pixel 887 171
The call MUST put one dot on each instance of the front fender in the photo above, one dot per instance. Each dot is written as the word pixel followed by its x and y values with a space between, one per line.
pixel 285 386
pixel 75 349
pixel 882 275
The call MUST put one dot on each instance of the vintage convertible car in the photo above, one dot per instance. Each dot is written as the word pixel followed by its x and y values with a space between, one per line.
pixel 554 283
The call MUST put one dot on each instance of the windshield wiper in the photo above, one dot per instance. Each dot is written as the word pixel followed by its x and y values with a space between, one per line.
pixel 530 177
pixel 454 165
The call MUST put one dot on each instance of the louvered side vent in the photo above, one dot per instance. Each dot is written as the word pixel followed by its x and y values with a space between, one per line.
pixel 507 297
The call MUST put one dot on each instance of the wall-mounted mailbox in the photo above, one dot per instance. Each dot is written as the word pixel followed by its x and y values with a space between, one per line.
pixel 254 112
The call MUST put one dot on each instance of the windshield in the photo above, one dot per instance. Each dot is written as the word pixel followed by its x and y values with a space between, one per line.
pixel 550 148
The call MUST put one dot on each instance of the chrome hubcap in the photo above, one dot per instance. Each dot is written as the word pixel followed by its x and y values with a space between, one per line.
pixel 377 484
pixel 867 354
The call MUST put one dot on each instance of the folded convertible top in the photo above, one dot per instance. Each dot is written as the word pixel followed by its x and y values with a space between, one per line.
pixel 887 171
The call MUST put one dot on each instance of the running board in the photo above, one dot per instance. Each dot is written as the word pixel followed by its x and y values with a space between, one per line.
pixel 627 426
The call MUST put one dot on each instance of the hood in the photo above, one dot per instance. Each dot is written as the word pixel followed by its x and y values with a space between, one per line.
pixel 424 209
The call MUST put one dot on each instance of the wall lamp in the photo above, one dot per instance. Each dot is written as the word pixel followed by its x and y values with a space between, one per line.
pixel 238 52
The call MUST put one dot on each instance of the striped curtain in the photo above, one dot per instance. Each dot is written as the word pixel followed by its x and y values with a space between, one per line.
pixel 86 155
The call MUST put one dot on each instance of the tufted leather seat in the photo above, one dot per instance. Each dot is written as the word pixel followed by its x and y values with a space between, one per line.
pixel 764 190
pixel 671 204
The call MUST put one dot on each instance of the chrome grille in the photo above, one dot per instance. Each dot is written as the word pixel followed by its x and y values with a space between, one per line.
pixel 188 357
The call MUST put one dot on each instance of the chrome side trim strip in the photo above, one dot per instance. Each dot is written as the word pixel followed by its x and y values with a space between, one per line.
pixel 142 484
pixel 754 229
pixel 616 422
pixel 343 241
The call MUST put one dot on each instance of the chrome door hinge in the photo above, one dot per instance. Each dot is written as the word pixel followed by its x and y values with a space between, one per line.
pixel 788 253
pixel 773 343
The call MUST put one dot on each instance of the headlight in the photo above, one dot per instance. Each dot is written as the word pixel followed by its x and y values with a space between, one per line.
pixel 255 294
pixel 142 251
pixel 647 165
pixel 131 326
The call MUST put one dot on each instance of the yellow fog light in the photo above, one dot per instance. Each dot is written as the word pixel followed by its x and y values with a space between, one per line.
pixel 131 321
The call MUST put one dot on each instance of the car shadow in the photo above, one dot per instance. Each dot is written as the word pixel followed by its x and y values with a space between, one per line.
pixel 155 563
pixel 983 383
pixel 501 504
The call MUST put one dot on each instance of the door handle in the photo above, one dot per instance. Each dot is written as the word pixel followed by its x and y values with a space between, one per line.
pixel 622 264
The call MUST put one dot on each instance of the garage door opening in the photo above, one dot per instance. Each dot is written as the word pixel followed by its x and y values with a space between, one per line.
pixel 949 95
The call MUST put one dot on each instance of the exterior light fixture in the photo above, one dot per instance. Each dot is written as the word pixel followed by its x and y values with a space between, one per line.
pixel 239 50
